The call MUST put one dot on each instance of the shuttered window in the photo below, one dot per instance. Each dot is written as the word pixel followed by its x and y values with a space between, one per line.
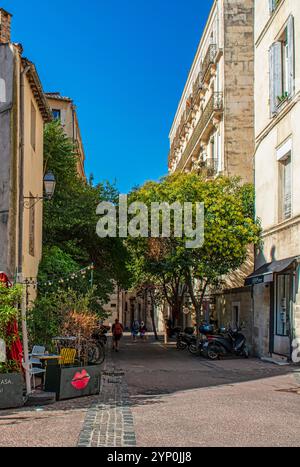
pixel 282 68
pixel 273 5
pixel 33 126
pixel 285 188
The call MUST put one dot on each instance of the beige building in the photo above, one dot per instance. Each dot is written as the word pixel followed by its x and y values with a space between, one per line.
pixel 276 294
pixel 213 129
pixel 23 113
pixel 128 307
pixel 63 109
pixel 213 125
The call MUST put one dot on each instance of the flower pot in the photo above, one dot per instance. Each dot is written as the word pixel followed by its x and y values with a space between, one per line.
pixel 11 390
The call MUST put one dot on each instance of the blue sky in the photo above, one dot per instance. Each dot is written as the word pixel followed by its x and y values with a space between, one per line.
pixel 125 63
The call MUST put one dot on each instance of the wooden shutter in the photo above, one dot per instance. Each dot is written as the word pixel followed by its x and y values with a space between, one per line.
pixel 275 75
pixel 287 188
pixel 63 116
pixel 291 55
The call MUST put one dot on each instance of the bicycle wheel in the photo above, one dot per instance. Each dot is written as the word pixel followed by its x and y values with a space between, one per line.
pixel 96 353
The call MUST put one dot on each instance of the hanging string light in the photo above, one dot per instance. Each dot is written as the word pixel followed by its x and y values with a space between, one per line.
pixel 59 280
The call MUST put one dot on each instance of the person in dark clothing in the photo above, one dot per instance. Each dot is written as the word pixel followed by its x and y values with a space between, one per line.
pixel 117 332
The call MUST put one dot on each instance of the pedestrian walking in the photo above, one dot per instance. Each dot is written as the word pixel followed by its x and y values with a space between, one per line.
pixel 117 332
pixel 135 330
pixel 143 331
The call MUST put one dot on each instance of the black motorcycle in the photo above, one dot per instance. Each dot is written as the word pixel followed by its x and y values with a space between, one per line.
pixel 233 342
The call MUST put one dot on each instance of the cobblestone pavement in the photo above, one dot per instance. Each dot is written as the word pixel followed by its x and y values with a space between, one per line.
pixel 109 422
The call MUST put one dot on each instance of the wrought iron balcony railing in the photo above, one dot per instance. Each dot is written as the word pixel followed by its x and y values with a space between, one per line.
pixel 209 59
pixel 215 104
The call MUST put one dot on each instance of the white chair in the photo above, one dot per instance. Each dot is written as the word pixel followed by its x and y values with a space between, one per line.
pixel 33 371
pixel 38 350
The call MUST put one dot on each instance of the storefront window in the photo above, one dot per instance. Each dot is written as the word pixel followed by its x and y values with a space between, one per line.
pixel 283 305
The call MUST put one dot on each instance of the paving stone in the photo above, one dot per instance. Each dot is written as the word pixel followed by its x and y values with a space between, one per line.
pixel 109 421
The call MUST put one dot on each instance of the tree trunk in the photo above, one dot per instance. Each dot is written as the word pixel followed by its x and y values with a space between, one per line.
pixel 153 318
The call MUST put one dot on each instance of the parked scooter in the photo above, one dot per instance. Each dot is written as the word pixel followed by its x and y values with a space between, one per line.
pixel 231 343
pixel 185 339
pixel 207 332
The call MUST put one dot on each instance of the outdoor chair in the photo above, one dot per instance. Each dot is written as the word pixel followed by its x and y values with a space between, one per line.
pixel 33 371
pixel 38 350
pixel 67 356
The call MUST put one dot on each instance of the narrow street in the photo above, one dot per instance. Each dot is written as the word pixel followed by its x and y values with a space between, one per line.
pixel 181 400
pixel 156 396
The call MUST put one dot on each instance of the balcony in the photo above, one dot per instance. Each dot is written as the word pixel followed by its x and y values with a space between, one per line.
pixel 209 61
pixel 213 109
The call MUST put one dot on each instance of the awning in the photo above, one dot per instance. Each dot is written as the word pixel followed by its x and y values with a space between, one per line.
pixel 266 272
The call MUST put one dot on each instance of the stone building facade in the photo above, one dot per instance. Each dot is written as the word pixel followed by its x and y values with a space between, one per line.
pixel 23 113
pixel 213 125
pixel 213 129
pixel 275 282
pixel 63 109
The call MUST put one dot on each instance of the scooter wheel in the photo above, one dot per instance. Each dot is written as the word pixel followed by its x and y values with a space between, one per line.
pixel 193 349
pixel 213 352
pixel 181 346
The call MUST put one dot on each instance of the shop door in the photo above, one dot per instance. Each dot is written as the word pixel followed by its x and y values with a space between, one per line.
pixel 282 315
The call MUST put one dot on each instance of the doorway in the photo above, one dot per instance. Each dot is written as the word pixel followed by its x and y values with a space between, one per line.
pixel 282 314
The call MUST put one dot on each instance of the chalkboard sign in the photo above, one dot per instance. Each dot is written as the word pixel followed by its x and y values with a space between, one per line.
pixel 11 390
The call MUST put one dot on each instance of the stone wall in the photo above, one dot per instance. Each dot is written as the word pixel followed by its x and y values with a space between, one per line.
pixel 239 87
pixel 261 324
pixel 224 310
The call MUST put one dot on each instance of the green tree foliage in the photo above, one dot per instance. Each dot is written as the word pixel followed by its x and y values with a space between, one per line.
pixel 229 230
pixel 70 242
pixel 70 218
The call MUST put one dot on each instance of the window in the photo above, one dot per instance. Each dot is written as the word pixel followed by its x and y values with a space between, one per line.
pixel 236 307
pixel 33 126
pixel 285 188
pixel 2 91
pixel 283 304
pixel 32 228
pixel 56 114
pixel 282 65
pixel 273 5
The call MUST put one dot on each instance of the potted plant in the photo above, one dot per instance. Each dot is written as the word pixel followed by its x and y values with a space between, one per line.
pixel 11 377
pixel 78 378
pixel 283 98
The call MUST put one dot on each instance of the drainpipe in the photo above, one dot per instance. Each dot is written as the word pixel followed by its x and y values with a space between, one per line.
pixel 21 216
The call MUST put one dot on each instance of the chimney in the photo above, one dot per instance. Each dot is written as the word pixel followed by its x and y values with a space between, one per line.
pixel 5 19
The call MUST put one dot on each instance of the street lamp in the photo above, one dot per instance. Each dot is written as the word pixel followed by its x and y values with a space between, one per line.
pixel 49 188
pixel 49 184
